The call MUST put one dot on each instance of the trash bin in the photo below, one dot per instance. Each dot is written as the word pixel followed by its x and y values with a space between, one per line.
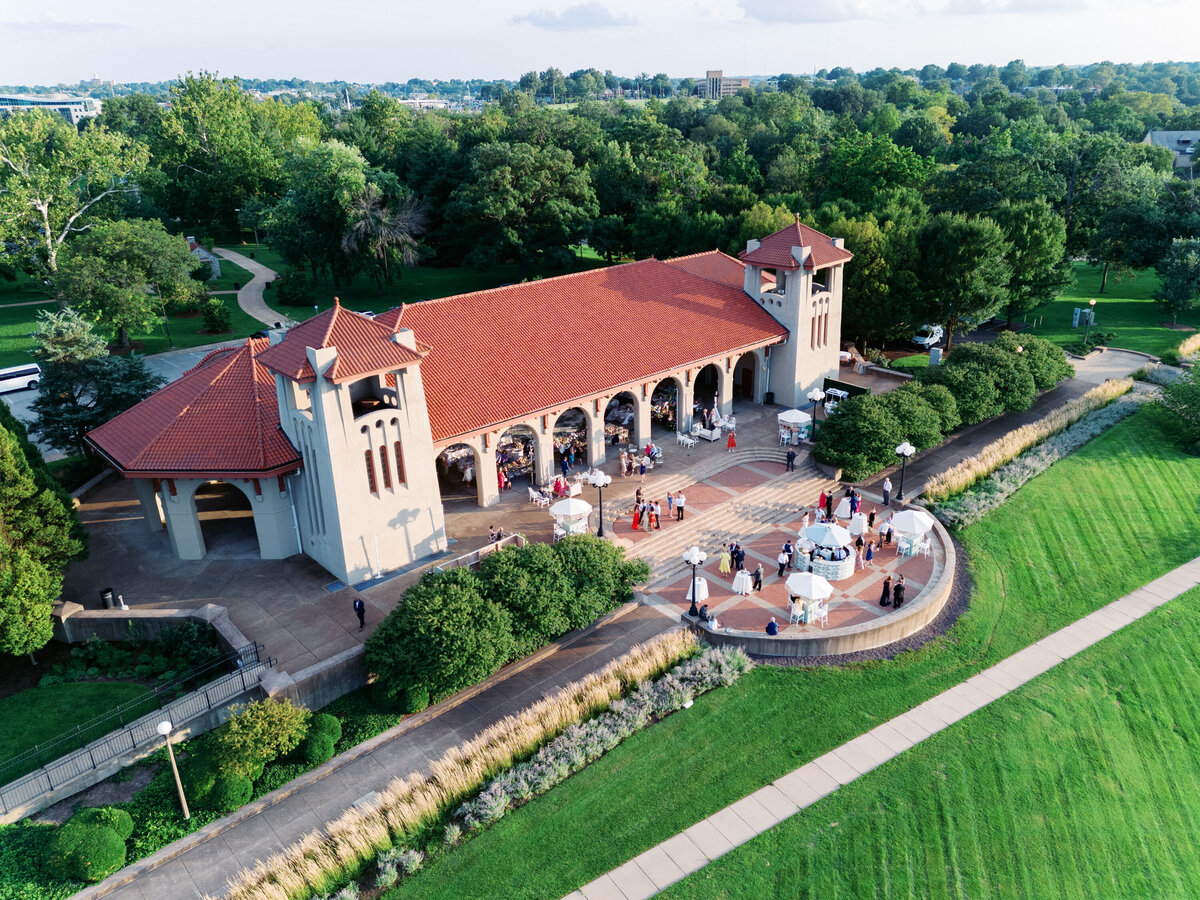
pixel 769 398
pixel 106 596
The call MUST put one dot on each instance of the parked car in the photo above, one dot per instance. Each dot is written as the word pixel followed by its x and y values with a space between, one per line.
pixel 20 378
pixel 928 336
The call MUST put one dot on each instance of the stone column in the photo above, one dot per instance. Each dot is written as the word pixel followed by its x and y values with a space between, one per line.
pixel 595 437
pixel 684 402
pixel 152 511
pixel 273 522
pixel 487 486
pixel 724 398
pixel 183 525
pixel 641 416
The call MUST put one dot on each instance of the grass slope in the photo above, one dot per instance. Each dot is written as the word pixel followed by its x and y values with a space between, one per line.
pixel 43 713
pixel 1050 555
pixel 1126 307
pixel 1081 784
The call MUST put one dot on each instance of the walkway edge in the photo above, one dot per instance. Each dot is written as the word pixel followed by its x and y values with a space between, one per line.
pixel 677 857
pixel 213 829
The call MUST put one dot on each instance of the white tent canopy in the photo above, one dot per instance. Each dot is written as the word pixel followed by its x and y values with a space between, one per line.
pixel 571 508
pixel 794 417
pixel 828 535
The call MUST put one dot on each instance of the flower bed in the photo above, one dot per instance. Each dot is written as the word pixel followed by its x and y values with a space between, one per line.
pixel 972 505
pixel 414 813
pixel 960 477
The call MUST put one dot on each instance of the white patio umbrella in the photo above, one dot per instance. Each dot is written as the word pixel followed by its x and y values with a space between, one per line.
pixel 794 417
pixel 912 521
pixel 808 586
pixel 828 535
pixel 571 508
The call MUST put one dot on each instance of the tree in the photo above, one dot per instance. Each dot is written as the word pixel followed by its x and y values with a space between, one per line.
pixel 378 230
pixel 122 274
pixel 56 181
pixel 521 202
pixel 254 214
pixel 78 395
pixel 1179 278
pixel 257 733
pixel 1036 236
pixel 64 337
pixel 859 437
pixel 964 272
pixel 973 389
pixel 530 583
pixel 1183 399
pixel 601 578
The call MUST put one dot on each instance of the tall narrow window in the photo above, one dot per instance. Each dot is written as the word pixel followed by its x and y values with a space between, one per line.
pixel 399 463
pixel 812 341
pixel 384 467
pixel 825 331
pixel 370 458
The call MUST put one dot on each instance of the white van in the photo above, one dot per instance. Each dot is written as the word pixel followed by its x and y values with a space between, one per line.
pixel 20 378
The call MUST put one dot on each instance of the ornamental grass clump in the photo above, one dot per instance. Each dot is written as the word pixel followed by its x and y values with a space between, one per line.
pixel 958 478
pixel 1189 346
pixel 406 807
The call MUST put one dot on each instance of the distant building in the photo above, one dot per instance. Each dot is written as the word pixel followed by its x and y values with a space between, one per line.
pixel 1181 143
pixel 73 109
pixel 716 85
pixel 200 253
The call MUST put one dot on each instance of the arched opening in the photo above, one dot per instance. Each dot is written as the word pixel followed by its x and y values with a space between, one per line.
pixel 458 472
pixel 571 439
pixel 371 394
pixel 516 453
pixel 745 374
pixel 664 405
pixel 620 419
pixel 226 520
pixel 708 381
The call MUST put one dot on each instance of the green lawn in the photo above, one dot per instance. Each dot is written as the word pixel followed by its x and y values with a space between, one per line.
pixel 43 713
pixel 1126 307
pixel 419 283
pixel 1049 556
pixel 22 290
pixel 185 331
pixel 231 274
pixel 916 361
pixel 1083 783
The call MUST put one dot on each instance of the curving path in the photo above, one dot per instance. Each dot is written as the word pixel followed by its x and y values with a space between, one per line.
pixel 250 297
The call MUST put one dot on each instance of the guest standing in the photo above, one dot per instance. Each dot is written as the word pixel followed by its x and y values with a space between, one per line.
pixel 887 492
pixel 871 520
pixel 885 599
pixel 898 592
pixel 732 443
pixel 782 559
pixel 680 500
pixel 725 560
pixel 758 577
pixel 791 459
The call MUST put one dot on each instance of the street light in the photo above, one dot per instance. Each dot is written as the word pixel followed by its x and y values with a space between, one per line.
pixel 816 395
pixel 599 481
pixel 1088 329
pixel 904 451
pixel 164 728
pixel 694 557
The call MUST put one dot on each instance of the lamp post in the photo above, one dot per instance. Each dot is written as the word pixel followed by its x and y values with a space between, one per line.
pixel 164 728
pixel 904 451
pixel 599 481
pixel 1088 329
pixel 816 395
pixel 694 557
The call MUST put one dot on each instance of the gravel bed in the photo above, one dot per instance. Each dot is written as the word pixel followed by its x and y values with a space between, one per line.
pixel 956 605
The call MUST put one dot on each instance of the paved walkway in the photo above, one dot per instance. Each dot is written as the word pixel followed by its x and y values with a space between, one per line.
pixel 202 863
pixel 250 297
pixel 1093 370
pixel 688 852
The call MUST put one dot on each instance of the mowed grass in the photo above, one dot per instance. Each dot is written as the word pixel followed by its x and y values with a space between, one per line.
pixel 1126 307
pixel 231 274
pixel 1061 547
pixel 22 289
pixel 419 283
pixel 42 714
pixel 916 361
pixel 1083 783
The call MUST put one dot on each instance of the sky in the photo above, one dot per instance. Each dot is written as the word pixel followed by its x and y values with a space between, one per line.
pixel 361 41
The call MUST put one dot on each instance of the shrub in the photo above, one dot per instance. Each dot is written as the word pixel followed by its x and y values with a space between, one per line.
pixel 218 318
pixel 1007 369
pixel 858 437
pixel 530 583
pixel 293 289
pixel 916 420
pixel 316 749
pixel 415 699
pixel 324 723
pixel 1156 373
pixel 107 817
pixel 601 577
pixel 198 772
pixel 973 389
pixel 1045 360
pixel 1170 357
pixel 939 397
pixel 229 791
pixel 257 733
pixel 85 852
pixel 444 636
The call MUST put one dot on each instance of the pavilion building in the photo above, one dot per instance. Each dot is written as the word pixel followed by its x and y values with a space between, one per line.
pixel 337 431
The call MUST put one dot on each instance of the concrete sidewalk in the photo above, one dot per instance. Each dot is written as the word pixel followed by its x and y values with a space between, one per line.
pixel 691 850
pixel 250 297
pixel 202 863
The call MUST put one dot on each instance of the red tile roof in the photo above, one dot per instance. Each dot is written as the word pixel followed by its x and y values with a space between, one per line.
pixel 514 351
pixel 222 417
pixel 716 266
pixel 364 346
pixel 776 249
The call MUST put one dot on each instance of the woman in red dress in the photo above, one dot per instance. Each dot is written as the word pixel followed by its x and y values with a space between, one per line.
pixel 732 445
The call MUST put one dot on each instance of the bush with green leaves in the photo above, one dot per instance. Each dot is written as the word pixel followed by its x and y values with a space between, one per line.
pixel 85 852
pixel 108 817
pixel 938 396
pixel 531 584
pixel 1007 369
pixel 916 420
pixel 973 388
pixel 257 733
pixel 1044 359
pixel 444 636
pixel 292 288
pixel 601 577
pixel 858 437
pixel 218 318
pixel 229 791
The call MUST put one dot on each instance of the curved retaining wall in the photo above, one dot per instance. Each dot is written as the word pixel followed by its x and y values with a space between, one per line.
pixel 918 613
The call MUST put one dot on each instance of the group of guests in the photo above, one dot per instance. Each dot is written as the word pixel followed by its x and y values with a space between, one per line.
pixel 632 464
pixel 647 514
pixel 733 559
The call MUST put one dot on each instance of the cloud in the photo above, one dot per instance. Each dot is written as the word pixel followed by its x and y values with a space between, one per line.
pixel 51 27
pixel 807 13
pixel 578 17
pixel 850 10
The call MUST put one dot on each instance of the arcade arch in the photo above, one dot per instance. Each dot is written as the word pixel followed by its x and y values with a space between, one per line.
pixel 226 519
pixel 458 473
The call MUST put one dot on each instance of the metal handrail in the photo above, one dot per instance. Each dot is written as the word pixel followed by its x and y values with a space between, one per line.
pixel 149 701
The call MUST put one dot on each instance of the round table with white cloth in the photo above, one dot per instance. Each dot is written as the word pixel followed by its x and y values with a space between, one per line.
pixel 858 524
pixel 701 590
pixel 742 582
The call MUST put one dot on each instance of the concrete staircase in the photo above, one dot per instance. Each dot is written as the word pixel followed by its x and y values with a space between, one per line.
pixel 777 499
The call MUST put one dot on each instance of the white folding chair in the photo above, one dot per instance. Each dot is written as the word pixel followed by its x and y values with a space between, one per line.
pixel 925 548
pixel 821 615
pixel 784 437
pixel 794 613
